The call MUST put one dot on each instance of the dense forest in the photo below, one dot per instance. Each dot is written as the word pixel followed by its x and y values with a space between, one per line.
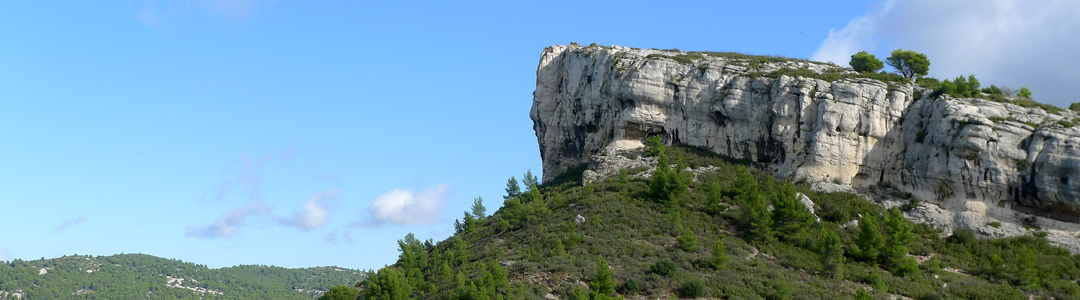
pixel 128 276
pixel 732 233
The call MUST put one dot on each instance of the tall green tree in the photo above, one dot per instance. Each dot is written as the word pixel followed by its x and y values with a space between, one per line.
pixel 719 257
pixel 869 240
pixel 603 283
pixel 909 63
pixel 530 181
pixel 898 232
pixel 478 209
pixel 832 254
pixel 789 215
pixel 512 188
pixel 864 62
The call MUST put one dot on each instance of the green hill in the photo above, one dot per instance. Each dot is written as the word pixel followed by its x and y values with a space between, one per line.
pixel 129 276
pixel 734 233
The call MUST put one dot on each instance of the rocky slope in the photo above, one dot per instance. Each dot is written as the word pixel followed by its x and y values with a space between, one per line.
pixel 826 125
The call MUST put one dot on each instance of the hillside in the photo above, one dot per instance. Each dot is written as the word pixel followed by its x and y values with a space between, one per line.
pixel 980 156
pixel 722 231
pixel 129 276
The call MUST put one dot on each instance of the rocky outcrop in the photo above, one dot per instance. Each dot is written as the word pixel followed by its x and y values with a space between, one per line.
pixel 820 124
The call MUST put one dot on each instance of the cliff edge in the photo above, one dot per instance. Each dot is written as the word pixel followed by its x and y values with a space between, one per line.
pixel 808 121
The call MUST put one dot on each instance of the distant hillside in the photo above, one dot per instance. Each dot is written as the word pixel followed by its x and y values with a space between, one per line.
pixel 130 276
pixel 721 231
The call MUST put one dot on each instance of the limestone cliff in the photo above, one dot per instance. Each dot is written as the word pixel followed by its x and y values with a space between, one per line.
pixel 828 125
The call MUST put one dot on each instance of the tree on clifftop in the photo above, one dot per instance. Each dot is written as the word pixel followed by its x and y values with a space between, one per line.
pixel 864 62
pixel 909 63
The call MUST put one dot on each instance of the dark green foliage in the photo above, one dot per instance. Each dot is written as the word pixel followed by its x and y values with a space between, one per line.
pixel 832 254
pixel 529 180
pixel 908 63
pixel 1024 92
pixel 962 236
pixel 603 283
pixel 864 62
pixel 664 268
pixel 870 240
pixel 688 241
pixel 512 188
pixel 1075 106
pixel 692 288
pixel 638 237
pixel 340 292
pixel 478 209
pixel 1065 123
pixel 960 87
pixel 993 90
pixel 862 294
pixel 790 218
pixel 140 276
pixel 631 286
pixel 719 256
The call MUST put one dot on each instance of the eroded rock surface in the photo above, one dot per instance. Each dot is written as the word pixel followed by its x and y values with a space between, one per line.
pixel 853 131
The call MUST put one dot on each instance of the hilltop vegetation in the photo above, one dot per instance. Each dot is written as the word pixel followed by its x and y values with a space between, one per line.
pixel 735 233
pixel 129 276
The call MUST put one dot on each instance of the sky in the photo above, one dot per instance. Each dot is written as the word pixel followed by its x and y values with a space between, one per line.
pixel 304 134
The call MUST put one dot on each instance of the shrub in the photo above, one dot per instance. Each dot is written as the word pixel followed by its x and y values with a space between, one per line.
pixel 1075 106
pixel 692 288
pixel 688 241
pixel 995 224
pixel 1024 92
pixel 1065 124
pixel 664 268
pixel 962 236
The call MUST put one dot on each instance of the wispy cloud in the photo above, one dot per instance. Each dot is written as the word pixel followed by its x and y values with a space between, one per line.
pixel 228 225
pixel 314 213
pixel 403 207
pixel 152 13
pixel 1004 42
pixel 246 175
pixel 69 222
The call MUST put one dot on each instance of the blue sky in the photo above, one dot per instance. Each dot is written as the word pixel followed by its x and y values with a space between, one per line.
pixel 317 133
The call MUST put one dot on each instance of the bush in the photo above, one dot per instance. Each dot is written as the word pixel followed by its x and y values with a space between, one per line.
pixel 1075 106
pixel 688 241
pixel 664 268
pixel 692 288
pixel 963 236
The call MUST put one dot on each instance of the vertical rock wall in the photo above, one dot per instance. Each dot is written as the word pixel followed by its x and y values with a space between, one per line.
pixel 854 131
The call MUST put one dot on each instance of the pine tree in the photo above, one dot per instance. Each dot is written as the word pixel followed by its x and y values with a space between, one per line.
pixel 869 239
pixel 719 255
pixel 512 188
pixel 603 284
pixel 530 181
pixel 478 209
pixel 832 254
pixel 790 216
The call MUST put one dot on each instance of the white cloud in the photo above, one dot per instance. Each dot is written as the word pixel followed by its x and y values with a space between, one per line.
pixel 228 224
pixel 69 222
pixel 313 214
pixel 403 207
pixel 1004 42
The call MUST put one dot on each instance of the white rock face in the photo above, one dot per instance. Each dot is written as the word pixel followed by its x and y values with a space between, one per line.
pixel 854 132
